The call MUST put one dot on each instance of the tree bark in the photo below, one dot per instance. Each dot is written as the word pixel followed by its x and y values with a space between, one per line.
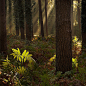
pixel 10 15
pixel 72 18
pixel 16 14
pixel 28 17
pixel 40 18
pixel 46 17
pixel 79 15
pixel 63 36
pixel 83 21
pixel 3 37
pixel 21 19
pixel 79 19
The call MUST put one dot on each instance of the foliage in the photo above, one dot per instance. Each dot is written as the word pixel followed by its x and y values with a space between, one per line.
pixel 43 73
pixel 22 58
pixel 21 70
pixel 74 61
pixel 45 80
pixel 52 58
pixel 76 48
pixel 82 74
pixel 6 62
pixel 9 67
pixel 75 39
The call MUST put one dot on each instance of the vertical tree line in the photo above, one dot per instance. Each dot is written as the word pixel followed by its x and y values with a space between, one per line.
pixel 23 15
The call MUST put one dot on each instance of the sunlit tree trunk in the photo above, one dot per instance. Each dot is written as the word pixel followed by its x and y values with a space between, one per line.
pixel 21 18
pixel 46 17
pixel 79 15
pixel 3 37
pixel 28 18
pixel 83 21
pixel 40 18
pixel 63 36
pixel 79 19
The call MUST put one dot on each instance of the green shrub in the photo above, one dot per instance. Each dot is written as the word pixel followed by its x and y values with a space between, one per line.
pixel 21 70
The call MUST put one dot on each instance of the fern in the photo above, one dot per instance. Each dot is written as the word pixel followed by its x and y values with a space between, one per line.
pixel 22 58
pixel 6 62
pixel 21 70
pixel 16 54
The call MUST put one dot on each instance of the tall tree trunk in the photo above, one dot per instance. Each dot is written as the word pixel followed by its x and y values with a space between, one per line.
pixel 3 37
pixel 83 21
pixel 72 18
pixel 16 14
pixel 46 17
pixel 40 18
pixel 21 18
pixel 79 19
pixel 10 15
pixel 28 18
pixel 63 36
pixel 79 15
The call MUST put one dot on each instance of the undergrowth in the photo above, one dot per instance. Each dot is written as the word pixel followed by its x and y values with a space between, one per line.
pixel 43 73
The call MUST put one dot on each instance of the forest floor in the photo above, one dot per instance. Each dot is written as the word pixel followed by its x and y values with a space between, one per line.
pixel 43 72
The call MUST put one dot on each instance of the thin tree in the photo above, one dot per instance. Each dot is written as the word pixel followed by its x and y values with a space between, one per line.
pixel 28 18
pixel 72 18
pixel 21 18
pixel 46 17
pixel 79 18
pixel 40 18
pixel 63 36
pixel 3 37
pixel 16 15
pixel 83 21
pixel 79 14
pixel 10 14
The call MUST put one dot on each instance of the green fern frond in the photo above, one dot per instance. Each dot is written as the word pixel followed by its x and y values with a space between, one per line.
pixel 22 58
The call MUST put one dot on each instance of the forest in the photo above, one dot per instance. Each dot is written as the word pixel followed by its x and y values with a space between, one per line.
pixel 42 42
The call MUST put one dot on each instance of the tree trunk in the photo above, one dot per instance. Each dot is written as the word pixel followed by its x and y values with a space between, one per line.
pixel 3 37
pixel 63 36
pixel 83 21
pixel 79 19
pixel 28 18
pixel 16 14
pixel 79 15
pixel 10 15
pixel 40 18
pixel 72 18
pixel 46 17
pixel 21 19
